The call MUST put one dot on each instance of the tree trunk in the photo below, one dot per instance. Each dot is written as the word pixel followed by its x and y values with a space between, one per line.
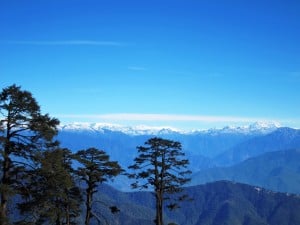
pixel 5 181
pixel 58 215
pixel 3 208
pixel 68 215
pixel 159 209
pixel 88 204
pixel 58 221
pixel 5 185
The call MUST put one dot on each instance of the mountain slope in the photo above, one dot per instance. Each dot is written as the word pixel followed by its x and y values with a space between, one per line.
pixel 280 139
pixel 278 171
pixel 120 142
pixel 242 143
pixel 215 203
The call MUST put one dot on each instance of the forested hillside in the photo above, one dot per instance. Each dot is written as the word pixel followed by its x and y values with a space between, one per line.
pixel 217 203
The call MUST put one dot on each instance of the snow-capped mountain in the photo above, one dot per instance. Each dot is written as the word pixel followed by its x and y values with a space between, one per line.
pixel 255 128
pixel 204 149
pixel 129 130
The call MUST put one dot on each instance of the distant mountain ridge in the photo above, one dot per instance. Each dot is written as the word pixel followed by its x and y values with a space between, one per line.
pixel 258 127
pixel 207 148
pixel 121 141
pixel 283 138
pixel 204 149
pixel 277 171
pixel 217 203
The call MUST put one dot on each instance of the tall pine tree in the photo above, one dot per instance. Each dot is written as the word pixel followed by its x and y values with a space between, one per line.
pixel 24 131
pixel 162 166
pixel 96 169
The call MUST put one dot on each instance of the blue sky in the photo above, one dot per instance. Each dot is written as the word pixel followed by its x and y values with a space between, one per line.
pixel 187 64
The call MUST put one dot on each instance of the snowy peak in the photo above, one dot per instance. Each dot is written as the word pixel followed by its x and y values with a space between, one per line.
pixel 130 130
pixel 255 128
pixel 264 125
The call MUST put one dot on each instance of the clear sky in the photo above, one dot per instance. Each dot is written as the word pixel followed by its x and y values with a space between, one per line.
pixel 188 64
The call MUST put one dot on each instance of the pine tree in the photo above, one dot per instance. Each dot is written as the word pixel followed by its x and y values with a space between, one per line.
pixel 96 169
pixel 160 165
pixel 51 194
pixel 24 130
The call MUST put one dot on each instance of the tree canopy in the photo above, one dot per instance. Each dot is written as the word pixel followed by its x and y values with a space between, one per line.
pixel 51 194
pixel 24 132
pixel 96 168
pixel 162 166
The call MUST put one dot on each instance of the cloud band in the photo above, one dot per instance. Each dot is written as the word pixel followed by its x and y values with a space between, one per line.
pixel 160 117
pixel 66 42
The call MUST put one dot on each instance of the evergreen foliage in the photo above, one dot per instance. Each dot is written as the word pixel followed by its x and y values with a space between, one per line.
pixel 37 180
pixel 160 164
pixel 24 131
pixel 51 194
pixel 96 169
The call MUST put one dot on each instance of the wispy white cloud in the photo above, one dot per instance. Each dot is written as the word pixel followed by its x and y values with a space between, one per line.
pixel 136 68
pixel 65 42
pixel 215 75
pixel 175 120
pixel 162 117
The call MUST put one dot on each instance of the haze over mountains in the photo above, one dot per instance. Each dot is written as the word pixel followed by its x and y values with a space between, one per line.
pixel 242 151
pixel 118 140
pixel 218 203
pixel 277 171
pixel 258 127
pixel 225 162
pixel 241 175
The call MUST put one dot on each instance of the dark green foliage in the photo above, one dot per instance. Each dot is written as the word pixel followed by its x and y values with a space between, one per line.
pixel 24 131
pixel 161 165
pixel 51 195
pixel 96 169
